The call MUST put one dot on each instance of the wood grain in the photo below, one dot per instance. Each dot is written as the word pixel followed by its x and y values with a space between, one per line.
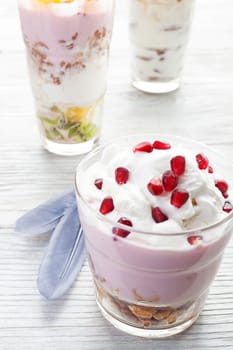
pixel 202 109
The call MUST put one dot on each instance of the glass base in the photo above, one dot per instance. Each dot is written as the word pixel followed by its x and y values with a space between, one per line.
pixel 156 87
pixel 148 320
pixel 147 333
pixel 66 149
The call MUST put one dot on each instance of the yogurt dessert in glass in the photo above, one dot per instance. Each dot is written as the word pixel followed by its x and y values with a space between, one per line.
pixel 67 44
pixel 159 31
pixel 157 216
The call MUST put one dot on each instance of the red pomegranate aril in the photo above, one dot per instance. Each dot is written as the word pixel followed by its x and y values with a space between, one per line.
pixel 143 147
pixel 194 239
pixel 161 145
pixel 98 183
pixel 169 180
pixel 158 215
pixel 155 186
pixel 120 231
pixel 202 161
pixel 178 165
pixel 179 197
pixel 121 175
pixel 210 169
pixel 106 206
pixel 227 207
pixel 222 186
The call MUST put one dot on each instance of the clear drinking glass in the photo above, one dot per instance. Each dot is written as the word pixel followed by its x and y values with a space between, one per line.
pixel 67 43
pixel 159 31
pixel 146 289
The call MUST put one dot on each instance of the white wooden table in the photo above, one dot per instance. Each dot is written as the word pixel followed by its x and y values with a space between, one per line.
pixel 202 109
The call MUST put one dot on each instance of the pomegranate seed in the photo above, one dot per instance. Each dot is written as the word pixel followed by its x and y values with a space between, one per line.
pixel 202 161
pixel 158 215
pixel 225 195
pixel 120 231
pixel 121 175
pixel 161 145
pixel 178 165
pixel 210 169
pixel 143 147
pixel 155 186
pixel 227 207
pixel 194 239
pixel 222 186
pixel 106 206
pixel 179 197
pixel 99 183
pixel 170 180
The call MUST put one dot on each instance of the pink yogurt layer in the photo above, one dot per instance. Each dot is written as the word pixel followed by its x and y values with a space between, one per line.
pixel 174 277
pixel 56 31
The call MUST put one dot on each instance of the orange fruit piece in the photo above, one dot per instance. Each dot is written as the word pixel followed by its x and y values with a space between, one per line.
pixel 47 2
pixel 76 114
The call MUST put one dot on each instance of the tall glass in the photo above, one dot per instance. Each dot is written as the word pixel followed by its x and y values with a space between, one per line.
pixel 67 43
pixel 145 288
pixel 159 31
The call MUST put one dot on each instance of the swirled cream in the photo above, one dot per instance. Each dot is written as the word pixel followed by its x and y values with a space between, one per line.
pixel 157 187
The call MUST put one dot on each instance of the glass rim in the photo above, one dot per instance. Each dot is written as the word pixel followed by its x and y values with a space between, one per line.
pixel 115 224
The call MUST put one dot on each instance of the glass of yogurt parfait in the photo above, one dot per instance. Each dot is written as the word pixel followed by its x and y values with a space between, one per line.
pixel 157 216
pixel 159 31
pixel 67 43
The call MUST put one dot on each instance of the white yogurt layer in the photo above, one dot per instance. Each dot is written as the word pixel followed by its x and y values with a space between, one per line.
pixel 159 32
pixel 133 199
pixel 79 89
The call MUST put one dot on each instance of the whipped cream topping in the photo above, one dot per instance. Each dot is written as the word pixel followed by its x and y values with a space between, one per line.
pixel 134 201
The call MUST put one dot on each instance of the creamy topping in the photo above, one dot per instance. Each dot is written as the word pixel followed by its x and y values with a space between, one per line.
pixel 195 201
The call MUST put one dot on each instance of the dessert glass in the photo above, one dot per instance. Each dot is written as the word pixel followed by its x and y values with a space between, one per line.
pixel 159 31
pixel 150 290
pixel 67 44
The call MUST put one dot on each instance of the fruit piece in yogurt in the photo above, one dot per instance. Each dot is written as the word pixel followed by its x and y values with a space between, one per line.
pixel 48 2
pixel 120 231
pixel 178 165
